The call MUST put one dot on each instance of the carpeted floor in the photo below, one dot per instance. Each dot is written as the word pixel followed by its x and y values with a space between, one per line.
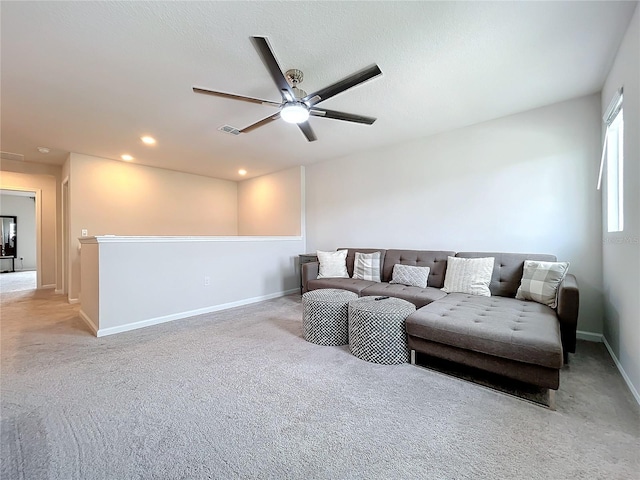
pixel 240 394
pixel 17 281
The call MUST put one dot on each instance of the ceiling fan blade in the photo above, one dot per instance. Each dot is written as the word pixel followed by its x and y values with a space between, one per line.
pixel 260 123
pixel 308 131
pixel 270 61
pixel 235 97
pixel 344 84
pixel 348 117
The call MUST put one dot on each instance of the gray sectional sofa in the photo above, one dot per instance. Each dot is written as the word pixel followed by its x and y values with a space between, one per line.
pixel 519 339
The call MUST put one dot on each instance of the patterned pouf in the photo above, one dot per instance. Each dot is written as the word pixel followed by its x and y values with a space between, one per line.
pixel 325 316
pixel 376 329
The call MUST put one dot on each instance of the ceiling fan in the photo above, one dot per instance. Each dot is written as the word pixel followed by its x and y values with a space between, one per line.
pixel 297 105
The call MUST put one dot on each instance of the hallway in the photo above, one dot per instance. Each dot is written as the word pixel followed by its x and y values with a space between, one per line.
pixel 17 281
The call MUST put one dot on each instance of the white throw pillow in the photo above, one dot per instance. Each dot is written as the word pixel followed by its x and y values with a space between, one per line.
pixel 468 275
pixel 332 264
pixel 367 266
pixel 410 275
pixel 540 281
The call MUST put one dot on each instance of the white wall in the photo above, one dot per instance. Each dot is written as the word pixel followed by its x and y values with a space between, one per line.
pixel 523 183
pixel 621 251
pixel 24 208
pixel 120 198
pixel 271 204
pixel 132 282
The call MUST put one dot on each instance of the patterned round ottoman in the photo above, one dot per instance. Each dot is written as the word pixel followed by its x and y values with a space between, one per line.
pixel 325 316
pixel 376 329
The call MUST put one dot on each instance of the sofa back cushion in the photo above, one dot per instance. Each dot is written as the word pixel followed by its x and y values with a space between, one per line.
pixel 351 256
pixel 507 269
pixel 435 260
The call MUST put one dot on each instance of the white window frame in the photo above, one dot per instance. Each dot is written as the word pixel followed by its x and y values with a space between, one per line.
pixel 613 152
pixel 615 174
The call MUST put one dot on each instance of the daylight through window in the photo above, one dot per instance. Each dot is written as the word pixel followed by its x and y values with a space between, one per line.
pixel 615 163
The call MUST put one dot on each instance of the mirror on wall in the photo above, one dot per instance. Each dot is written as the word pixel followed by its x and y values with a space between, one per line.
pixel 9 232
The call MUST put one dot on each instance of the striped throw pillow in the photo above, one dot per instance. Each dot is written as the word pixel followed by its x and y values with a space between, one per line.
pixel 367 266
pixel 468 275
pixel 540 281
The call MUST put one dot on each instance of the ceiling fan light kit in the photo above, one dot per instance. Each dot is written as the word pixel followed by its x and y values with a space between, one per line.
pixel 294 112
pixel 297 105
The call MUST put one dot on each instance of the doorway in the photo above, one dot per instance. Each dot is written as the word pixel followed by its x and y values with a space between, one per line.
pixel 20 253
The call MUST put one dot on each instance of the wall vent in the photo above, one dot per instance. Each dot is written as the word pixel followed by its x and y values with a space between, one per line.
pixel 229 129
pixel 11 156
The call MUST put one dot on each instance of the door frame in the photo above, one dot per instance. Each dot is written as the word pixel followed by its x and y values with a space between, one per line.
pixel 38 206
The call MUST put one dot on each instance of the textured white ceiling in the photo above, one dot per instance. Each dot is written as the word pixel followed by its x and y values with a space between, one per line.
pixel 92 77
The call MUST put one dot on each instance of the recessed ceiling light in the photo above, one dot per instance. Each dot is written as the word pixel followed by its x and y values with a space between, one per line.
pixel 126 158
pixel 242 171
pixel 43 150
pixel 148 140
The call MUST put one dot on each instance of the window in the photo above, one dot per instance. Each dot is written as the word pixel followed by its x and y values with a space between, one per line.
pixel 615 157
pixel 613 151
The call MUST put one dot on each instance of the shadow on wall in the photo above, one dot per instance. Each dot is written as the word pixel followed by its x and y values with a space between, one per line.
pixel 285 278
pixel 612 325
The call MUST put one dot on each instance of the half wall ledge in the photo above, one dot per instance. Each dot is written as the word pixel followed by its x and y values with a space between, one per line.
pixel 130 282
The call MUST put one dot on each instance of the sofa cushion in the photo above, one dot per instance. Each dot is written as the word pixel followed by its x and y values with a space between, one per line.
pixel 435 260
pixel 507 269
pixel 519 330
pixel 367 266
pixel 468 275
pixel 351 284
pixel 416 295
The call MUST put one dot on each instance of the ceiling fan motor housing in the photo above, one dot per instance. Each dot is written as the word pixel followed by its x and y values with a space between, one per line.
pixel 295 77
pixel 299 93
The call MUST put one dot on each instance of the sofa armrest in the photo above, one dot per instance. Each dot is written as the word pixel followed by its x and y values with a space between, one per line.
pixel 568 303
pixel 309 272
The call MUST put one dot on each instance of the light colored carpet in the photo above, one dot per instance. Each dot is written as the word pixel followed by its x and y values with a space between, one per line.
pixel 240 394
pixel 17 281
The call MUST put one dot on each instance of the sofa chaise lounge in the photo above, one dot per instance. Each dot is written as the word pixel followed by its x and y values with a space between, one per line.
pixel 519 339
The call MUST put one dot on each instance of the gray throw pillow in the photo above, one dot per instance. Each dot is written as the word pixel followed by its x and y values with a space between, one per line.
pixel 367 266
pixel 540 281
pixel 410 275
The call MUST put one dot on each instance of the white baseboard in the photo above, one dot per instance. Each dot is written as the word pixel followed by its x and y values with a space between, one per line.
pixel 47 287
pixel 600 338
pixel 101 332
pixel 589 336
pixel 626 378
pixel 89 322
pixel 73 300
pixel 58 291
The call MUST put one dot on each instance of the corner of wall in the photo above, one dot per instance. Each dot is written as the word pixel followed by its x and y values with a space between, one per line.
pixel 303 206
pixel 621 250
pixel 270 204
